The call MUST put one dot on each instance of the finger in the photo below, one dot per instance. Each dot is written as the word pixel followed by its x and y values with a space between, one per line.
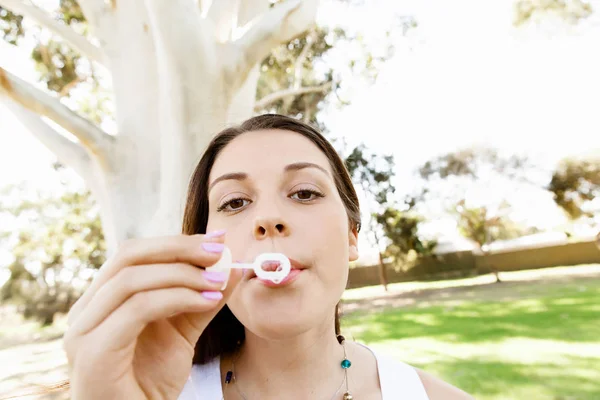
pixel 124 325
pixel 191 325
pixel 131 280
pixel 172 249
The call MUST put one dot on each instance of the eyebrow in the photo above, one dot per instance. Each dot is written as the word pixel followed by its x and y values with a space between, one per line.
pixel 303 165
pixel 242 176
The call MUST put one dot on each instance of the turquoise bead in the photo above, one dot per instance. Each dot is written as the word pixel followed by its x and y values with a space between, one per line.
pixel 346 363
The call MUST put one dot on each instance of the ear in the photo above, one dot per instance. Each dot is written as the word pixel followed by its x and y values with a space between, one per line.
pixel 353 244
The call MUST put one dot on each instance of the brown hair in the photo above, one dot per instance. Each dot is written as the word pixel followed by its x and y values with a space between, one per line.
pixel 224 332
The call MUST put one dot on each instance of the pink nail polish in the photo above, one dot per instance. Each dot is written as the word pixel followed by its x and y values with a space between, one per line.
pixel 213 247
pixel 215 276
pixel 215 234
pixel 212 295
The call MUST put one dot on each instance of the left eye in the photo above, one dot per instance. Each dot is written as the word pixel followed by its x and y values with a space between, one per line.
pixel 306 195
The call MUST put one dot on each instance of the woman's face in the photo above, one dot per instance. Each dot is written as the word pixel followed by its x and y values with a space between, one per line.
pixel 273 191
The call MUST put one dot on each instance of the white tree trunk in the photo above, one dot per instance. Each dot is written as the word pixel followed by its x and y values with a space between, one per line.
pixel 179 76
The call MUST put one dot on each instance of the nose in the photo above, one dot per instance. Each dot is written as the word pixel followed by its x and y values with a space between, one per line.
pixel 270 227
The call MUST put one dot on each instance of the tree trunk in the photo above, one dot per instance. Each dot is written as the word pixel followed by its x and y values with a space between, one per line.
pixel 493 269
pixel 497 275
pixel 180 75
pixel 383 273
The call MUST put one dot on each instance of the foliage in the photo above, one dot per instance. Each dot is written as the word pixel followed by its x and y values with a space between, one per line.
pixel 571 11
pixel 484 225
pixel 449 177
pixel 11 26
pixel 402 230
pixel 83 86
pixel 300 63
pixel 574 185
pixel 374 174
pixel 470 162
pixel 57 246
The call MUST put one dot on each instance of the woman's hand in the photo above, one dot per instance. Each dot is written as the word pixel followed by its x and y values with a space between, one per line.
pixel 132 333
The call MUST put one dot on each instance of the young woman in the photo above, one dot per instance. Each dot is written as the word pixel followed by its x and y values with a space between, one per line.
pixel 155 325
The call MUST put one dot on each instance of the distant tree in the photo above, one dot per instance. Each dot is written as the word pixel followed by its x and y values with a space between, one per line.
pixel 571 11
pixel 484 226
pixel 373 175
pixel 484 168
pixel 56 246
pixel 472 161
pixel 447 177
pixel 387 224
pixel 402 230
pixel 575 184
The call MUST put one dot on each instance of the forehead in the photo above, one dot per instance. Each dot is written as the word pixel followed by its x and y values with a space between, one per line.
pixel 266 150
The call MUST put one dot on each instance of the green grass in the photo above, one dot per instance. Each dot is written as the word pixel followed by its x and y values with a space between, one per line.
pixel 541 343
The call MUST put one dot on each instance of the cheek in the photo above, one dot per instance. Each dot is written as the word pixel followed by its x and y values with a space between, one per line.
pixel 331 241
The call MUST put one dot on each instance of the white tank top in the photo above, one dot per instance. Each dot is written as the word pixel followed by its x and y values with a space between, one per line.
pixel 397 380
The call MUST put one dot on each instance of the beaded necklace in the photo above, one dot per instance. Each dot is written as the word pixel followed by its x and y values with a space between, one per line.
pixel 345 364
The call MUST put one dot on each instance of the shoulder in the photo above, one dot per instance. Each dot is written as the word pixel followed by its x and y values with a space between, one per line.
pixel 437 389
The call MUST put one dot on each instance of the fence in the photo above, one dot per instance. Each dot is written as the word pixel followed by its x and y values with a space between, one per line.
pixel 466 263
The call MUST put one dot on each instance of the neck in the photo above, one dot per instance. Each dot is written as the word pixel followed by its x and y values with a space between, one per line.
pixel 304 366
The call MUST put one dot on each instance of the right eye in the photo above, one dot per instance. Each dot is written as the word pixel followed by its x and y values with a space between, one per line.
pixel 233 204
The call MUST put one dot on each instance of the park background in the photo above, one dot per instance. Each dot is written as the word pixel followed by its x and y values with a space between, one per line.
pixel 471 130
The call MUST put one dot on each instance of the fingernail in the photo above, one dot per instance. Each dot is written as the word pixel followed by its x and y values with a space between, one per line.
pixel 212 295
pixel 215 276
pixel 213 247
pixel 215 234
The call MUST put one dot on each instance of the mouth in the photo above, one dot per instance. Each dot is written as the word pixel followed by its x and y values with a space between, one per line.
pixel 273 266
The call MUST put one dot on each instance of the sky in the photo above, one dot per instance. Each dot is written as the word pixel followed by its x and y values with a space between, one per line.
pixel 464 76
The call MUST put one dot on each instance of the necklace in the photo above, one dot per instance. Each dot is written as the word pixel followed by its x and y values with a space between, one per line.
pixel 345 364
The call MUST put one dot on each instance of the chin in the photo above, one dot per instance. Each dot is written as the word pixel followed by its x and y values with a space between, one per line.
pixel 279 321
pixel 280 327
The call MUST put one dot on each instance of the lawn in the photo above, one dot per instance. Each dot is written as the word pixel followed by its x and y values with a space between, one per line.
pixel 536 336
pixel 527 340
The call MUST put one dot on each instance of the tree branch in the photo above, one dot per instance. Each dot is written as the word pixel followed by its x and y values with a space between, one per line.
pixel 299 64
pixel 91 137
pixel 279 24
pixel 75 40
pixel 273 97
pixel 191 95
pixel 180 34
pixel 68 152
pixel 221 13
pixel 299 70
pixel 99 15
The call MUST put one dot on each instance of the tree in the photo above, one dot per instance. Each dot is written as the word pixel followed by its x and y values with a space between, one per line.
pixel 180 71
pixel 472 166
pixel 485 225
pixel 373 174
pixel 472 162
pixel 575 184
pixel 571 11
pixel 57 245
pixel 451 176
pixel 401 228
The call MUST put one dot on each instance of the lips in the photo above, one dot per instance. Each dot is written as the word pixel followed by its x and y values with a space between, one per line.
pixel 296 265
